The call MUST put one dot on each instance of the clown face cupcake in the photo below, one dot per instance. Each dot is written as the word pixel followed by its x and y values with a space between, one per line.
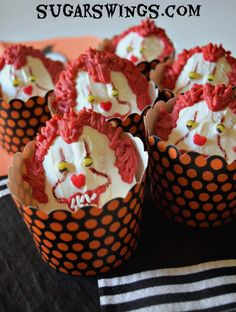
pixel 70 169
pixel 203 120
pixel 104 83
pixel 208 64
pixel 26 77
pixel 191 140
pixel 80 190
pixel 145 42
pixel 26 72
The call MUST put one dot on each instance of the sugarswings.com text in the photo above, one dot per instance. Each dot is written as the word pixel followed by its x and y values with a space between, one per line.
pixel 111 10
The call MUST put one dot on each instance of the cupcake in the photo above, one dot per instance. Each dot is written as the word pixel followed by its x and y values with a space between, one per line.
pixel 207 64
pixel 193 155
pixel 26 77
pixel 79 188
pixel 145 42
pixel 26 72
pixel 104 83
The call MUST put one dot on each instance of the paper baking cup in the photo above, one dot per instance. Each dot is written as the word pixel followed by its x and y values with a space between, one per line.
pixel 20 121
pixel 89 242
pixel 190 188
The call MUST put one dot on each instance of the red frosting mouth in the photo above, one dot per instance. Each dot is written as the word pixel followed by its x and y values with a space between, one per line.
pixel 89 198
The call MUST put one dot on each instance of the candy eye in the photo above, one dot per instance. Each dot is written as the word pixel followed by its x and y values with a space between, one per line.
pixel 32 78
pixel 115 92
pixel 220 128
pixel 191 124
pixel 194 75
pixel 142 49
pixel 129 49
pixel 87 161
pixel 63 166
pixel 91 98
pixel 15 82
pixel 210 77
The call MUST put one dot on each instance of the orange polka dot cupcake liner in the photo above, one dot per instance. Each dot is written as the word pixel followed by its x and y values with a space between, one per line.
pixel 20 121
pixel 191 188
pixel 91 241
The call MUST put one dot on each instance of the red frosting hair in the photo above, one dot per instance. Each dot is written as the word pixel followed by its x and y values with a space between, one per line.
pixel 211 53
pixel 99 65
pixel 70 127
pixel 16 55
pixel 216 97
pixel 146 28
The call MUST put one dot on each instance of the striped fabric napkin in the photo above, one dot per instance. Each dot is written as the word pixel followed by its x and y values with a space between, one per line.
pixel 3 186
pixel 209 286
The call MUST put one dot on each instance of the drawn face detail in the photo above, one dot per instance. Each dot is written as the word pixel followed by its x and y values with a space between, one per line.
pixel 202 130
pixel 198 70
pixel 82 173
pixel 137 49
pixel 32 79
pixel 114 99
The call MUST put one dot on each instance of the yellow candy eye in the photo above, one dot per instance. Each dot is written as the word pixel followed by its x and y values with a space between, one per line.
pixel 129 49
pixel 220 128
pixel 191 124
pixel 194 75
pixel 63 166
pixel 210 77
pixel 32 78
pixel 142 49
pixel 115 92
pixel 87 161
pixel 91 98
pixel 15 82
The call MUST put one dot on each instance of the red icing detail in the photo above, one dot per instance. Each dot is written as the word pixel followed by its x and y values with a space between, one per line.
pixel 28 90
pixel 16 55
pixel 234 149
pixel 99 66
pixel 211 53
pixel 133 59
pixel 147 28
pixel 70 127
pixel 216 97
pixel 199 140
pixel 78 180
pixel 106 106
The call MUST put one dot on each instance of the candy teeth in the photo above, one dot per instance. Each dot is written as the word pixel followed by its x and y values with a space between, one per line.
pixel 76 209
pixel 87 198
pixel 78 200
pixel 72 206
pixel 94 196
pixel 82 199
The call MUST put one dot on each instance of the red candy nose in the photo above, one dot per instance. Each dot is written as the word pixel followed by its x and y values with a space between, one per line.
pixel 106 106
pixel 28 90
pixel 133 59
pixel 78 180
pixel 199 140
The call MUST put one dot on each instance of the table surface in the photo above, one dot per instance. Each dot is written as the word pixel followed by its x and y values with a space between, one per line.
pixel 28 284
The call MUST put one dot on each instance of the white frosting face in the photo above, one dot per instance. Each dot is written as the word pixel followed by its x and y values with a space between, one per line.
pixel 213 133
pixel 91 177
pixel 103 101
pixel 137 49
pixel 205 72
pixel 33 79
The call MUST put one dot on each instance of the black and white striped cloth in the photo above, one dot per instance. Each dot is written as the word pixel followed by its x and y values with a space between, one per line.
pixel 3 186
pixel 209 286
